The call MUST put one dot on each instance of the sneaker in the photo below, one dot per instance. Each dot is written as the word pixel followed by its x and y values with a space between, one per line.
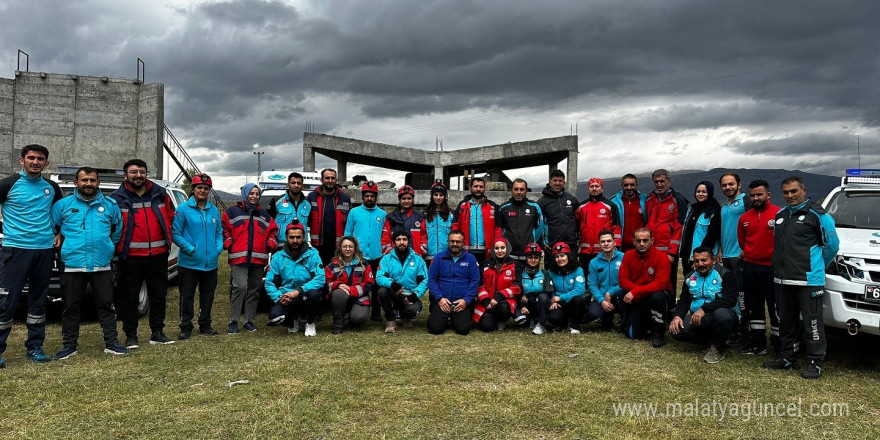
pixel 713 356
pixel 116 349
pixel 208 331
pixel 390 327
pixel 812 370
pixel 407 323
pixel 752 350
pixel 658 340
pixel 502 325
pixel 249 326
pixel 294 328
pixel 310 330
pixel 184 335
pixel 131 342
pixel 64 353
pixel 233 328
pixel 159 338
pixel 276 315
pixel 780 364
pixel 539 329
pixel 575 331
pixel 37 355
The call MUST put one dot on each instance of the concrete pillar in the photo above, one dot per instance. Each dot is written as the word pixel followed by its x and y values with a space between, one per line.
pixel 438 174
pixel 308 159
pixel 342 170
pixel 571 174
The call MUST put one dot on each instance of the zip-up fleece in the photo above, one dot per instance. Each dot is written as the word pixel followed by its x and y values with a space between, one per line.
pixel 91 229
pixel 806 241
pixel 665 216
pixel 604 275
pixel 645 274
pixel 755 234
pixel 406 273
pixel 287 274
pixel 454 279
pixel 198 233
pixel 717 290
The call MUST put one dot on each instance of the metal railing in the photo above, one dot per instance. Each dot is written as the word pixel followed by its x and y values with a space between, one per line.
pixel 183 160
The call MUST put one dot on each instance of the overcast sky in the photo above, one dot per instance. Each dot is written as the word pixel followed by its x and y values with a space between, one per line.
pixel 673 84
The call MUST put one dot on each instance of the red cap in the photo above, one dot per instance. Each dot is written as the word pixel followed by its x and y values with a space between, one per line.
pixel 294 224
pixel 596 180
pixel 202 179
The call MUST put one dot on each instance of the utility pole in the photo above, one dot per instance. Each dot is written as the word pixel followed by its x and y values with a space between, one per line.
pixel 259 155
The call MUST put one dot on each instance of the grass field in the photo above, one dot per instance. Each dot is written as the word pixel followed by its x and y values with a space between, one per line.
pixel 364 384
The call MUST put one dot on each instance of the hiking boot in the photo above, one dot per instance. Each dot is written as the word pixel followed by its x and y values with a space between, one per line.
pixel 406 322
pixel 233 328
pixel 390 327
pixel 780 364
pixel 539 330
pixel 310 330
pixel 65 352
pixel 131 342
pixel 812 370
pixel 37 355
pixel 210 331
pixel 713 356
pixel 658 340
pixel 249 326
pixel 184 335
pixel 116 349
pixel 752 350
pixel 159 338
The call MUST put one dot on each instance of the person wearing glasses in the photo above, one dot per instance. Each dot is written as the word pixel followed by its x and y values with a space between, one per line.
pixel 644 277
pixel 147 214
pixel 453 280
pixel 329 214
pixel 349 281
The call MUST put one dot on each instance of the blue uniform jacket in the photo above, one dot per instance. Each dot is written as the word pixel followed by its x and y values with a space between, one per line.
pixel 438 232
pixel 286 274
pixel 286 210
pixel 199 235
pixel 26 206
pixel 603 276
pixel 454 279
pixel 730 213
pixel 617 199
pixel 366 224
pixel 405 273
pixel 534 285
pixel 569 285
pixel 806 241
pixel 91 230
pixel 718 289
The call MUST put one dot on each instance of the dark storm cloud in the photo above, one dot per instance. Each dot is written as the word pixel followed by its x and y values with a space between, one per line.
pixel 831 144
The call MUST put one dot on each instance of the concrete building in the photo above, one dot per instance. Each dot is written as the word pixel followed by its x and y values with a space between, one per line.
pixel 447 165
pixel 82 120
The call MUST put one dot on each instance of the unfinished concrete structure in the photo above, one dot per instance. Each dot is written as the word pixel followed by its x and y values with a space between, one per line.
pixel 445 165
pixel 82 120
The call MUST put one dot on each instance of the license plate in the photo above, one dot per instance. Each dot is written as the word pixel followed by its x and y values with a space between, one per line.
pixel 872 293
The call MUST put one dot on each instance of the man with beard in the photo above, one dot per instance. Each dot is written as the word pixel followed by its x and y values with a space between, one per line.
pixel 402 279
pixel 596 214
pixel 707 310
pixel 558 208
pixel 520 221
pixel 476 218
pixel 27 255
pixel 366 223
pixel 294 281
pixel 292 205
pixel 407 219
pixel 630 204
pixel 453 280
pixel 729 252
pixel 329 213
pixel 755 234
pixel 644 277
pixel 147 215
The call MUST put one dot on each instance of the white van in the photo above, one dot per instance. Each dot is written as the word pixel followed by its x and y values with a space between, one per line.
pixel 274 184
pixel 852 280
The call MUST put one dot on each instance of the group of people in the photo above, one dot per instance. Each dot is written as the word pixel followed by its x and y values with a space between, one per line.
pixel 480 262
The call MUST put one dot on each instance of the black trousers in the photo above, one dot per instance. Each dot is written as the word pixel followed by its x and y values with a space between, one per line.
pixel 17 267
pixel 538 306
pixel 73 287
pixel 645 314
pixel 496 315
pixel 760 291
pixel 714 329
pixel 735 265
pixel 133 272
pixel 306 304
pixel 438 321
pixel 805 301
pixel 392 303
pixel 571 313
pixel 206 281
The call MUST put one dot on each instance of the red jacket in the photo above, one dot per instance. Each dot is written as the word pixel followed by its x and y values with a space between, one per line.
pixel 462 221
pixel 146 220
pixel 645 274
pixel 341 201
pixel 755 234
pixel 592 217
pixel 502 280
pixel 359 280
pixel 665 216
pixel 249 235
pixel 413 223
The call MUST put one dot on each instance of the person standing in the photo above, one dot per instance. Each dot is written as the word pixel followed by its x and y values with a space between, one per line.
pixel 630 204
pixel 453 280
pixel 729 252
pixel 597 213
pixel 665 213
pixel 147 214
pixel 406 218
pixel 702 226
pixel 520 221
pixel 198 231
pixel 805 242
pixel 329 212
pixel 90 226
pixel 438 220
pixel 558 208
pixel 476 217
pixel 292 205
pixel 366 223
pixel 249 236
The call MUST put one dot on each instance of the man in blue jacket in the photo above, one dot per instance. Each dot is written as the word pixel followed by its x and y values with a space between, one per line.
pixel 402 279
pixel 27 255
pixel 90 225
pixel 806 241
pixel 603 281
pixel 453 280
pixel 365 223
pixel 198 232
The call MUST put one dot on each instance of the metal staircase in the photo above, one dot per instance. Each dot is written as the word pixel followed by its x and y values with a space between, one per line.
pixel 184 162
